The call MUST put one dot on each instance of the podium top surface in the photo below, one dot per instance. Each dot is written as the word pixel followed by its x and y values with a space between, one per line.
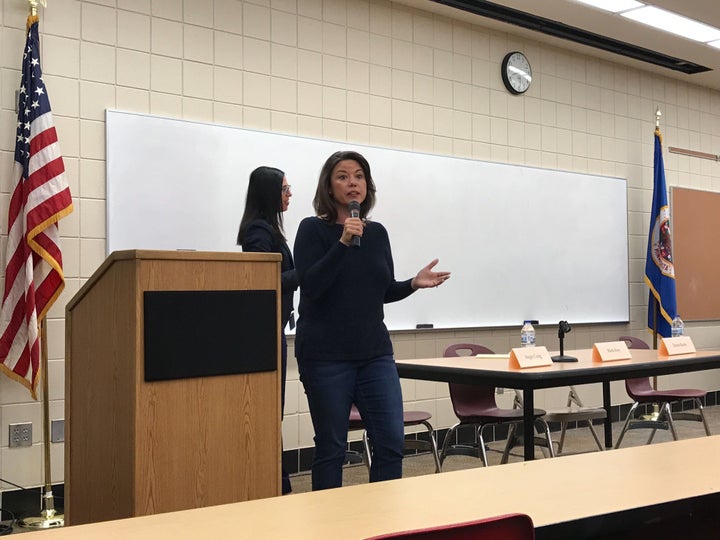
pixel 168 255
pixel 190 255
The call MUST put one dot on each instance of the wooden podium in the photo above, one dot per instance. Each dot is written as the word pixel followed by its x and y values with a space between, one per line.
pixel 134 446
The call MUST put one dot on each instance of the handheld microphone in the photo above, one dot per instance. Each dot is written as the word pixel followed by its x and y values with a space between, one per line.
pixel 354 209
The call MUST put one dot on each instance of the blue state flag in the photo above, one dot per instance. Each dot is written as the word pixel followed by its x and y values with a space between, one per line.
pixel 659 268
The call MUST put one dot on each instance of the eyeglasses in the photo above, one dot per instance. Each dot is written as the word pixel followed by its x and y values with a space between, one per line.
pixel 285 189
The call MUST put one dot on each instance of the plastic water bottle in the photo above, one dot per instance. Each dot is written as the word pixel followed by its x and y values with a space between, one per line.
pixel 527 335
pixel 678 326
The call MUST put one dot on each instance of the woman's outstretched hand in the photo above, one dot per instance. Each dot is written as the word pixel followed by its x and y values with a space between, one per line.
pixel 427 278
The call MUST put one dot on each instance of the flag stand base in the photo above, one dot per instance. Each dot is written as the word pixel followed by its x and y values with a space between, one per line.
pixel 653 416
pixel 48 519
pixel 57 520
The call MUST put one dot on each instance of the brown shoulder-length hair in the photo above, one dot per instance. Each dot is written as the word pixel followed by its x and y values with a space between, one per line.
pixel 323 202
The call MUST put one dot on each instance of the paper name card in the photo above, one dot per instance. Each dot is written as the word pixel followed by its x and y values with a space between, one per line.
pixel 527 357
pixel 676 345
pixel 610 350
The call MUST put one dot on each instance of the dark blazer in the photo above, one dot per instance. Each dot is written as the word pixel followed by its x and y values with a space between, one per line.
pixel 260 237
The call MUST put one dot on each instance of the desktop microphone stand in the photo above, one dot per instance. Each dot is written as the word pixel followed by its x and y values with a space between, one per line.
pixel 562 329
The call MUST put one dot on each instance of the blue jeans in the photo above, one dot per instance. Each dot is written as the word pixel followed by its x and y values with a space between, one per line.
pixel 374 386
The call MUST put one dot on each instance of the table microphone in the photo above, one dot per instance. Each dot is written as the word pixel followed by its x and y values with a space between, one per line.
pixel 354 209
pixel 563 328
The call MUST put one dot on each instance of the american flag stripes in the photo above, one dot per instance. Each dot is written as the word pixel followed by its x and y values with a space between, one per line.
pixel 40 197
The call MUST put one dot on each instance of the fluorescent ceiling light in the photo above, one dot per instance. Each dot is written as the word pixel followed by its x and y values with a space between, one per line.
pixel 673 23
pixel 613 5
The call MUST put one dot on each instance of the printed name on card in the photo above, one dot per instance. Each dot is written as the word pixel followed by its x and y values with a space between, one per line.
pixel 527 357
pixel 610 350
pixel 676 345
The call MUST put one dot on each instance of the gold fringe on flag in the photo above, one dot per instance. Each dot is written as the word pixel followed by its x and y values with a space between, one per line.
pixel 33 17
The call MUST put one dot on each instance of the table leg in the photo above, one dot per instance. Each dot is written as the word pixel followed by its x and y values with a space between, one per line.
pixel 608 418
pixel 528 424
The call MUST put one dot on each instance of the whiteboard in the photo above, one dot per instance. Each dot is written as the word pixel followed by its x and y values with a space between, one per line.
pixel 521 242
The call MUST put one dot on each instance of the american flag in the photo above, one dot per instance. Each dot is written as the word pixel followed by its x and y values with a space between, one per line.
pixel 40 197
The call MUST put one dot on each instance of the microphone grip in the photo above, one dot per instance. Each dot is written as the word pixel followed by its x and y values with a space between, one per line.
pixel 355 212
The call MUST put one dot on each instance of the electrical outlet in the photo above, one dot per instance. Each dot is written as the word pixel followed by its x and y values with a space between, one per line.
pixel 20 434
pixel 57 430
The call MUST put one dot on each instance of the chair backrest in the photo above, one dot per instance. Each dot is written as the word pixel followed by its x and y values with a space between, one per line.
pixel 635 386
pixel 505 527
pixel 470 399
pixel 471 348
pixel 633 342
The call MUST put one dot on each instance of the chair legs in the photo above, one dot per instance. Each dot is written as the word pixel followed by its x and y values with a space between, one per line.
pixel 367 454
pixel 698 417
pixel 446 442
pixel 544 443
pixel 671 424
pixel 509 444
pixel 512 441
pixel 481 453
pixel 409 443
pixel 541 426
pixel 423 445
pixel 548 439
pixel 666 414
pixel 481 445
pixel 653 424
pixel 563 431
pixel 626 424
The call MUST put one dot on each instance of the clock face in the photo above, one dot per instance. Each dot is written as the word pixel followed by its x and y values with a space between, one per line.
pixel 516 72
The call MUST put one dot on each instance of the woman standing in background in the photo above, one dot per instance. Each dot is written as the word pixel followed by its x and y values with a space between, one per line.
pixel 261 229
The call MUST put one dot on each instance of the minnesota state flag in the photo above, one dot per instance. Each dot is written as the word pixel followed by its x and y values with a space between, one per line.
pixel 659 268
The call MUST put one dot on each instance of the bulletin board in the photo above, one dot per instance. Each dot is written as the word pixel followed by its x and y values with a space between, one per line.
pixel 695 217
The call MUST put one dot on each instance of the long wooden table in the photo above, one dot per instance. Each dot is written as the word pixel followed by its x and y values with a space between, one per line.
pixel 598 494
pixel 498 372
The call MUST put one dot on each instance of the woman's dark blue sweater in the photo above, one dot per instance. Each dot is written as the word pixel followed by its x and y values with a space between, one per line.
pixel 342 292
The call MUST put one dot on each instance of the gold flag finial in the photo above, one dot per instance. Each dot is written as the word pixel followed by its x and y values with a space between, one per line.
pixel 34 6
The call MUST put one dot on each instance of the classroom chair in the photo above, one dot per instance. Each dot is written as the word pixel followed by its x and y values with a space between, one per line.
pixel 475 405
pixel 504 527
pixel 410 419
pixel 642 392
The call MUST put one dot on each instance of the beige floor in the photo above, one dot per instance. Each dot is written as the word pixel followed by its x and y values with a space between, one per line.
pixel 577 440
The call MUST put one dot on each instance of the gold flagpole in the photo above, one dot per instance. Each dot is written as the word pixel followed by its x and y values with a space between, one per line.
pixel 656 304
pixel 655 414
pixel 48 517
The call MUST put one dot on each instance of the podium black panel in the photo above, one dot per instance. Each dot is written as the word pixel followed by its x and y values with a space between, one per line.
pixel 206 333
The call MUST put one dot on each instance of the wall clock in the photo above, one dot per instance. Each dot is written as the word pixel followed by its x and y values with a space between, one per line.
pixel 516 72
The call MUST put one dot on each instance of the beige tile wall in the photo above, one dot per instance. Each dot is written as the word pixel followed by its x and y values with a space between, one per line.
pixel 367 71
